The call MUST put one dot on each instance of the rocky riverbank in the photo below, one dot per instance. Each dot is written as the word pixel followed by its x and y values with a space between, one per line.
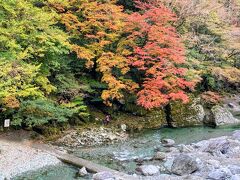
pixel 18 157
pixel 215 159
pixel 91 137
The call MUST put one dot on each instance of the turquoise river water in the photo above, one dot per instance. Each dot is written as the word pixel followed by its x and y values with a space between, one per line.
pixel 122 156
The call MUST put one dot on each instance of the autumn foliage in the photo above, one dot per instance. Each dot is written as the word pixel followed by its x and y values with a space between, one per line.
pixel 211 98
pixel 96 28
pixel 159 53
pixel 64 55
pixel 114 43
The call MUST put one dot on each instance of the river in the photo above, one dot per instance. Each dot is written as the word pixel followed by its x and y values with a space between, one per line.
pixel 124 156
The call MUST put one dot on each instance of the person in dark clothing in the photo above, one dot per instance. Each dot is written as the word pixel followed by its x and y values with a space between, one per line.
pixel 107 120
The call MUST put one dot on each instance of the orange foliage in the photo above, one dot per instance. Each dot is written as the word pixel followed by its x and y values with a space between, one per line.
pixel 96 27
pixel 159 55
pixel 210 97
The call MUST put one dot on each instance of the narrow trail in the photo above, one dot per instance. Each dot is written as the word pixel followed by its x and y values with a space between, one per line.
pixel 79 162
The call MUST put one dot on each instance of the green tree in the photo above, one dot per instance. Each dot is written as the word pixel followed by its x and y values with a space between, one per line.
pixel 29 39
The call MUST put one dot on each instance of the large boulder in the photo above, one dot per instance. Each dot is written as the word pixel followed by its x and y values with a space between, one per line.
pixel 220 174
pixel 190 114
pixel 184 164
pixel 148 170
pixel 217 146
pixel 219 115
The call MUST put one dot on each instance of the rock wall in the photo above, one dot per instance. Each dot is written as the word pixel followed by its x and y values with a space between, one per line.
pixel 184 115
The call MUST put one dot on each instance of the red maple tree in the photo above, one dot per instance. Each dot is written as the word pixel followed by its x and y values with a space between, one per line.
pixel 159 54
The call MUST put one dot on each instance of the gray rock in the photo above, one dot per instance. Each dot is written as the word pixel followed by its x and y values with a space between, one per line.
pixel 173 177
pixel 217 146
pixel 200 113
pixel 222 116
pixel 168 164
pixel 105 175
pixel 160 156
pixel 235 177
pixel 82 172
pixel 184 164
pixel 168 142
pixel 236 135
pixel 214 163
pixel 231 105
pixel 164 177
pixel 234 169
pixel 148 170
pixel 173 150
pixel 191 177
pixel 185 148
pixel 123 127
pixel 220 174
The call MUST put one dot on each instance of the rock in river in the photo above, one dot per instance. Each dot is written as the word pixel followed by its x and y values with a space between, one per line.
pixel 184 164
pixel 148 170
pixel 160 156
pixel 82 172
pixel 168 142
pixel 105 175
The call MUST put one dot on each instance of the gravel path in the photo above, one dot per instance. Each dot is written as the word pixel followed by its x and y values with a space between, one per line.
pixel 17 157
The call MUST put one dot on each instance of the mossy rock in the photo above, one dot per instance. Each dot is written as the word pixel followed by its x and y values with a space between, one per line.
pixel 191 114
pixel 134 123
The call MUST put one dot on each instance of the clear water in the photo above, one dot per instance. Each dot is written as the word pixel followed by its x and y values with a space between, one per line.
pixel 59 172
pixel 122 156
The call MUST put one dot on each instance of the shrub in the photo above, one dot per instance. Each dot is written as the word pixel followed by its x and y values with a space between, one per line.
pixel 211 98
pixel 230 77
pixel 39 112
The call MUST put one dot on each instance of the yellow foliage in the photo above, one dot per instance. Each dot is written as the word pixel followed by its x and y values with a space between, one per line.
pixel 11 102
pixel 230 75
pixel 97 28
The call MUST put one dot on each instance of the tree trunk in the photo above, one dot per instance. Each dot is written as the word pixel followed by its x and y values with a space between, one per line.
pixel 168 113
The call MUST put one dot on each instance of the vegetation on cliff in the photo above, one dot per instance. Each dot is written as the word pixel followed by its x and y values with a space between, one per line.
pixel 59 57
